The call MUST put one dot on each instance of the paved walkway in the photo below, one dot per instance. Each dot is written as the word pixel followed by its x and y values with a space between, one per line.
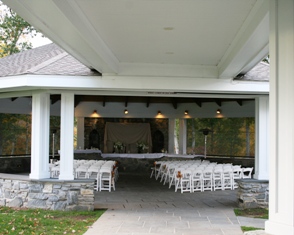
pixel 141 205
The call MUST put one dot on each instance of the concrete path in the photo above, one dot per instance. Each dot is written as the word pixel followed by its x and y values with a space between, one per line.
pixel 141 205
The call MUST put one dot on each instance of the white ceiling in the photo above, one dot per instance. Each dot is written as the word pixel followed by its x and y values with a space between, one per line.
pixel 189 38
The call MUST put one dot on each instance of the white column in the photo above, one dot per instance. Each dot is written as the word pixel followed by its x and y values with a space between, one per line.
pixel 171 134
pixel 40 136
pixel 261 138
pixel 66 136
pixel 183 136
pixel 281 177
pixel 80 132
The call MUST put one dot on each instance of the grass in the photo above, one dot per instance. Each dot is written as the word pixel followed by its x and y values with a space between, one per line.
pixel 41 222
pixel 260 213
pixel 246 229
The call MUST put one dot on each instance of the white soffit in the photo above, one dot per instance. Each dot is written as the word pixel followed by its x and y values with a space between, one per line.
pixel 200 38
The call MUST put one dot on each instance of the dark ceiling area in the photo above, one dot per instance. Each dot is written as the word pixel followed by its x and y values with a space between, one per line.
pixel 174 101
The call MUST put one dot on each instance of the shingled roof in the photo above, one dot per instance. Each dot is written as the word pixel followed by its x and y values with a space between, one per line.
pixel 261 73
pixel 45 60
pixel 52 60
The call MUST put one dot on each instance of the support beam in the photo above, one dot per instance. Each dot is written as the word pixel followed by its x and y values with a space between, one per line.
pixel 198 102
pixel 240 102
pixel 78 100
pixel 218 102
pixel 175 103
pixel 126 101
pixel 148 102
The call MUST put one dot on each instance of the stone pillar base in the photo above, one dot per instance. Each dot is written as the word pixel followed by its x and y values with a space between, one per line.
pixel 253 193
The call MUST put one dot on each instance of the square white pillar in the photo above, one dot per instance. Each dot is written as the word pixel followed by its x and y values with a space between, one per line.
pixel 40 136
pixel 80 132
pixel 261 138
pixel 66 136
pixel 183 136
pixel 281 177
pixel 171 135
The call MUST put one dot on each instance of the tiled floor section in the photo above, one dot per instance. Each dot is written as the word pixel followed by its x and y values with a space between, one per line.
pixel 142 206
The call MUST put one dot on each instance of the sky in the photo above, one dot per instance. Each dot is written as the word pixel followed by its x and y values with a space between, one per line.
pixel 39 41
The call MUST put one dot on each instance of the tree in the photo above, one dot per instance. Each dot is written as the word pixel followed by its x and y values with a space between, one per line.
pixel 14 32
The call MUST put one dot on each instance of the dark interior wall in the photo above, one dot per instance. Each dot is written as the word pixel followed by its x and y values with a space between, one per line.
pixel 98 124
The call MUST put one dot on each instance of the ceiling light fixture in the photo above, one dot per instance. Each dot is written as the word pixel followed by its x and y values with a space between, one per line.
pixel 95 111
pixel 186 112
pixel 159 112
pixel 218 111
pixel 126 111
pixel 168 28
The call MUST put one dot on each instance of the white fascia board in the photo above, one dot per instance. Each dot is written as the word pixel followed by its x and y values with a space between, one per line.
pixel 250 45
pixel 132 83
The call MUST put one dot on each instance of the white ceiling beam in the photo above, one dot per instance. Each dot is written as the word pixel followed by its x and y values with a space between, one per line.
pixel 54 18
pixel 105 61
pixel 250 45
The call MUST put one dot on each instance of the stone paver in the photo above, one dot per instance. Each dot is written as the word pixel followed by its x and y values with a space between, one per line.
pixel 141 205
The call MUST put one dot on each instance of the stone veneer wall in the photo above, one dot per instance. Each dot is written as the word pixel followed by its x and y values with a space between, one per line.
pixel 253 193
pixel 22 192
pixel 99 124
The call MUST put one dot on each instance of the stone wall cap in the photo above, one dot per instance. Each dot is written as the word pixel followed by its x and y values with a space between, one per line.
pixel 251 181
pixel 26 178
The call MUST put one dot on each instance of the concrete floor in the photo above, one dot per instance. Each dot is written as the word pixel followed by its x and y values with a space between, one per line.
pixel 141 205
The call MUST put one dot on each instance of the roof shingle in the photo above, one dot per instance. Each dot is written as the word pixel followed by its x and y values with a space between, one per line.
pixel 45 60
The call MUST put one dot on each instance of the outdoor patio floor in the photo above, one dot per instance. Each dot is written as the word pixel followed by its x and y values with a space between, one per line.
pixel 141 205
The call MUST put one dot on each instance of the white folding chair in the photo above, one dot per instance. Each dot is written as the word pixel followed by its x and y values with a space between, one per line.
pixel 81 171
pixel 246 172
pixel 184 181
pixel 237 174
pixel 197 180
pixel 228 182
pixel 217 178
pixel 106 179
pixel 207 179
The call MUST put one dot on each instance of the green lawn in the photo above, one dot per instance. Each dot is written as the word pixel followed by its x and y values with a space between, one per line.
pixel 260 213
pixel 38 221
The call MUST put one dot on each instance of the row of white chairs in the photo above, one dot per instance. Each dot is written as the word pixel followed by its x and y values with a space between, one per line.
pixel 104 172
pixel 197 175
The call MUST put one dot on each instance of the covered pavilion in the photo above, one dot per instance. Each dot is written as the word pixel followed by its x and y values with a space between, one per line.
pixel 181 49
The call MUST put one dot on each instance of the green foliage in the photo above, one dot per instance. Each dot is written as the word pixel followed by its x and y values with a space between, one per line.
pixel 228 136
pixel 15 134
pixel 266 59
pixel 261 213
pixel 14 32
pixel 37 221
pixel 246 228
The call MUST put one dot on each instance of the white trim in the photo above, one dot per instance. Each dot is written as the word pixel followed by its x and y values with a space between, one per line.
pixel 133 83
